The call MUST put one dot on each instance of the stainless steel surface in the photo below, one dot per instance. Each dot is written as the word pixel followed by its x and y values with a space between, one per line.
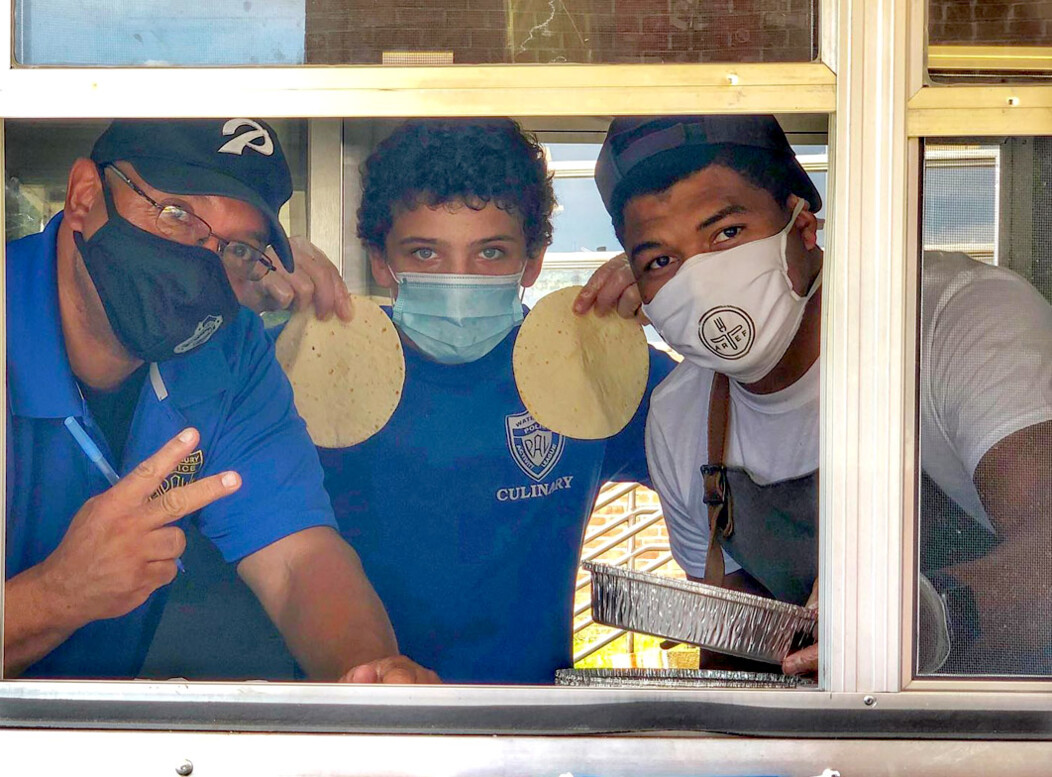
pixel 726 621
pixel 467 710
pixel 676 678
pixel 138 754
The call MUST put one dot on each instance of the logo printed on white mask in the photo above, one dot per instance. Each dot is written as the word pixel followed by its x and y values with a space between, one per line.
pixel 727 331
pixel 238 144
pixel 733 311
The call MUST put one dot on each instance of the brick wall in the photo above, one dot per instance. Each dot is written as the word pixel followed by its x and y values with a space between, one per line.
pixel 590 31
pixel 628 31
pixel 358 31
pixel 990 22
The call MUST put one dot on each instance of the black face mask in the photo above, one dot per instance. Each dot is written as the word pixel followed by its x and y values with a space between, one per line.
pixel 162 298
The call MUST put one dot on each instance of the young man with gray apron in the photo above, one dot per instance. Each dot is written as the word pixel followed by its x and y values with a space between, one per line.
pixel 717 219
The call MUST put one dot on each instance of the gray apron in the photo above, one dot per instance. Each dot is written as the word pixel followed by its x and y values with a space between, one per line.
pixel 771 530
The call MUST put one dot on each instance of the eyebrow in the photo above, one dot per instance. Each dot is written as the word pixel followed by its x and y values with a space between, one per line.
pixel 262 238
pixel 413 239
pixel 722 214
pixel 643 247
pixel 715 218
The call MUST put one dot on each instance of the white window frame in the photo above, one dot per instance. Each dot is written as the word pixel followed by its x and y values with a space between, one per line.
pixel 871 82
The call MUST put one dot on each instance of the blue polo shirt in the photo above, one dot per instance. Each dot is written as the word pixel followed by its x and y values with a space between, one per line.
pixel 231 389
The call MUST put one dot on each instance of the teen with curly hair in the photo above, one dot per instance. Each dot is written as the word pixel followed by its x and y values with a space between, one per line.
pixel 471 540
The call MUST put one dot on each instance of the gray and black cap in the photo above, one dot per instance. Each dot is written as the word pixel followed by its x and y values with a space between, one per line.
pixel 632 142
pixel 237 158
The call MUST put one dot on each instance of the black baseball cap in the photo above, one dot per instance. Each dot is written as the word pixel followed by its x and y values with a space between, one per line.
pixel 632 141
pixel 238 158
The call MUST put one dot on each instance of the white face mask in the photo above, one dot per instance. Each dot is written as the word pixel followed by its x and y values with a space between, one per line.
pixel 733 311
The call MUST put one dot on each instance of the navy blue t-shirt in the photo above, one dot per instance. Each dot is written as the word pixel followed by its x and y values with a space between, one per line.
pixel 469 516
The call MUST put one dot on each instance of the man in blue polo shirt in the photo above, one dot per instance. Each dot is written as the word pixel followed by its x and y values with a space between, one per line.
pixel 142 395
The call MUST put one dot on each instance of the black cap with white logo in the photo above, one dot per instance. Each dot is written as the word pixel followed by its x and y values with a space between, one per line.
pixel 237 158
pixel 632 141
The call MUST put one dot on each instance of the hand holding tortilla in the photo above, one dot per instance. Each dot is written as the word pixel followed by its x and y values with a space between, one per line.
pixel 580 375
pixel 347 376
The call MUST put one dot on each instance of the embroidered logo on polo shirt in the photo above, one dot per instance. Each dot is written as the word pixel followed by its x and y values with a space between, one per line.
pixel 202 334
pixel 184 473
pixel 535 448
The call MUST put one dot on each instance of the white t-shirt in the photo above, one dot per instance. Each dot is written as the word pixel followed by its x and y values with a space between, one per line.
pixel 986 373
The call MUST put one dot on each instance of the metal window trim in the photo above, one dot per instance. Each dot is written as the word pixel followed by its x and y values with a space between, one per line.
pixel 972 110
pixel 150 753
pixel 325 193
pixel 867 334
pixel 993 59
pixel 370 91
pixel 281 707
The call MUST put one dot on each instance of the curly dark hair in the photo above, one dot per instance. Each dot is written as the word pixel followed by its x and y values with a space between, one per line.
pixel 475 161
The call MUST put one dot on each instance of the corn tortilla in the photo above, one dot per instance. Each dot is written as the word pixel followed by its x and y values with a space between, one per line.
pixel 581 376
pixel 347 377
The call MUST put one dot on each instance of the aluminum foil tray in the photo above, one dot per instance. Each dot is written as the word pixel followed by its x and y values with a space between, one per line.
pixel 731 622
pixel 676 678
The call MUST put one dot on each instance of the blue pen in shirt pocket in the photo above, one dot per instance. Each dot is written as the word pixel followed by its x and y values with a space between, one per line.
pixel 96 456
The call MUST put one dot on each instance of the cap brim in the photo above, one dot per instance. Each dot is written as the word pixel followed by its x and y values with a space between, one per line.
pixel 175 178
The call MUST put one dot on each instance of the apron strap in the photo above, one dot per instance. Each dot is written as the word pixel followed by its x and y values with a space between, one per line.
pixel 717 495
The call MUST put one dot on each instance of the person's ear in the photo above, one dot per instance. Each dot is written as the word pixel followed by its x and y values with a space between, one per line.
pixel 806 222
pixel 533 268
pixel 381 270
pixel 83 192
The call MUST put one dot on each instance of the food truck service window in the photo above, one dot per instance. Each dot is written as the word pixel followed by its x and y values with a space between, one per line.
pixel 496 156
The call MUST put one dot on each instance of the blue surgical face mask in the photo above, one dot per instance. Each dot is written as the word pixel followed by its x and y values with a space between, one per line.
pixel 456 319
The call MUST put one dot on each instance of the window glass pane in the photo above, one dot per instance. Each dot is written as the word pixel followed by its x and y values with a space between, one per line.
pixel 985 499
pixel 471 537
pixel 988 42
pixel 146 32
pixel 39 155
pixel 546 31
pixel 990 22
pixel 407 32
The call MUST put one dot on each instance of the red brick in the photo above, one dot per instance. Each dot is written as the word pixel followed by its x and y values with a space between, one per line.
pixel 656 24
pixel 428 18
pixel 1028 32
pixel 799 46
pixel 488 39
pixel 605 23
pixel 680 41
pixel 640 41
pixel 949 32
pixel 644 6
pixel 706 40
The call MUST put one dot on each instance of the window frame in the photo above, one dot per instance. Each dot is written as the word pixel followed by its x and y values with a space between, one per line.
pixel 871 83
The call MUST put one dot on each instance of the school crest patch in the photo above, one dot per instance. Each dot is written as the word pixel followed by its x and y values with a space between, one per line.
pixel 184 473
pixel 535 448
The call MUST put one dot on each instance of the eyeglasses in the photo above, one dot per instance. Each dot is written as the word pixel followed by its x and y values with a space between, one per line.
pixel 184 226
